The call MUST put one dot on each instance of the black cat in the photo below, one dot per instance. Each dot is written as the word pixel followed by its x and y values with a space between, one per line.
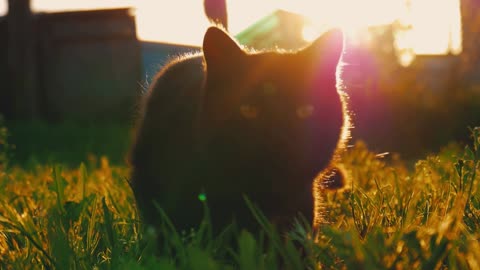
pixel 227 123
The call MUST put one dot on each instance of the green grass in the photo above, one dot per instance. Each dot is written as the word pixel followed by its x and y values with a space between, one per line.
pixel 391 216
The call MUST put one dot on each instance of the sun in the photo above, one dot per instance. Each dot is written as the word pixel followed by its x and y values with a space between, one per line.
pixel 437 32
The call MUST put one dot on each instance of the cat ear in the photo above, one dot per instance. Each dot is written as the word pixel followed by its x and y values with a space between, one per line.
pixel 327 48
pixel 219 48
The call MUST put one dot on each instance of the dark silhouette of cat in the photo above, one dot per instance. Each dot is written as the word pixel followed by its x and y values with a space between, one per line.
pixel 228 122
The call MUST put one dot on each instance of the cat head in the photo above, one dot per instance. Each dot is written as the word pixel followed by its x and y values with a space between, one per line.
pixel 274 99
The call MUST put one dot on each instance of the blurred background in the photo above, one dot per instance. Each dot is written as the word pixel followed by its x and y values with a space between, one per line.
pixel 71 71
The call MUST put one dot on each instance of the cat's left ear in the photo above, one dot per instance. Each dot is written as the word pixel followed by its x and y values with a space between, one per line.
pixel 327 48
pixel 219 48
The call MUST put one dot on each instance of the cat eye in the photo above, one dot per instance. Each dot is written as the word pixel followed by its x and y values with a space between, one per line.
pixel 249 111
pixel 305 111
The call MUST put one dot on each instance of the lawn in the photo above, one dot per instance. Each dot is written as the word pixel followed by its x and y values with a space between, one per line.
pixel 72 208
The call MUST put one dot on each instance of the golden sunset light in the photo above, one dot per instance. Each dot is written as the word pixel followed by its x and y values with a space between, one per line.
pixel 239 134
pixel 437 32
pixel 3 8
pixel 184 22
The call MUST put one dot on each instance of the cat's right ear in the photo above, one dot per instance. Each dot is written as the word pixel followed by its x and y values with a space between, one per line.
pixel 327 48
pixel 219 49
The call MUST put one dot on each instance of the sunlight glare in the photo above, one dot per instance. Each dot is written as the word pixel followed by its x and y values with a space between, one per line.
pixel 310 33
pixel 346 14
pixel 436 25
pixel 407 57
pixel 171 21
pixel 160 20
pixel 243 13
pixel 3 7
pixel 433 32
pixel 51 5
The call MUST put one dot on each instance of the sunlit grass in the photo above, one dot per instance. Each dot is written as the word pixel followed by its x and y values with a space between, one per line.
pixel 391 216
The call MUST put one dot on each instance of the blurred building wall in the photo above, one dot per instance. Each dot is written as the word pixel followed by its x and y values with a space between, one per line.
pixel 85 65
pixel 4 82
pixel 21 59
pixel 89 64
